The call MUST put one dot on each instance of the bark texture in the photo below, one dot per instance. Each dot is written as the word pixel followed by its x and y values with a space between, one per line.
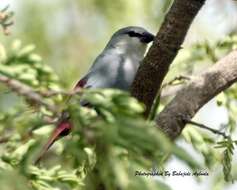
pixel 197 93
pixel 155 65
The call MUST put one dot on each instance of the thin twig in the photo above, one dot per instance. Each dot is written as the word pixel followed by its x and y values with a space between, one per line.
pixel 50 93
pixel 178 78
pixel 27 92
pixel 38 96
pixel 208 128
pixel 4 139
pixel 5 22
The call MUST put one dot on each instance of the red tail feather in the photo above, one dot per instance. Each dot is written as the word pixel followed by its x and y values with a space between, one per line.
pixel 62 129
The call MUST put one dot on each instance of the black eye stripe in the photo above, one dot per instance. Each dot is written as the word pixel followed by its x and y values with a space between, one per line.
pixel 134 34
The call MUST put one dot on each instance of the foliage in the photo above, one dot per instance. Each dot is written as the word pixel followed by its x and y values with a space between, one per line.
pixel 228 145
pixel 110 140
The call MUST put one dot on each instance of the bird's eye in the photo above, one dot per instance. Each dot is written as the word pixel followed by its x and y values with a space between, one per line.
pixel 134 34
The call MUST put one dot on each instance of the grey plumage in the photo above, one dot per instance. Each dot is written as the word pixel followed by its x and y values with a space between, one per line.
pixel 117 65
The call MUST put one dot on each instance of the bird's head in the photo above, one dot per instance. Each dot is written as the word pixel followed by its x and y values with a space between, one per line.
pixel 131 39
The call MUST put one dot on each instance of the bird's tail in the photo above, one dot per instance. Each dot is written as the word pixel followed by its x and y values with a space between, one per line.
pixel 62 129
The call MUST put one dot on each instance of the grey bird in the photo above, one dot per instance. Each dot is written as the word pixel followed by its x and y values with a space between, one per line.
pixel 115 67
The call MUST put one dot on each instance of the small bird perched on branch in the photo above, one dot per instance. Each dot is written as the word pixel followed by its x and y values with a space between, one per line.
pixel 115 68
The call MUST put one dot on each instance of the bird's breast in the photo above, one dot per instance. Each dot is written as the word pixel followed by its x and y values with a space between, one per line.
pixel 126 71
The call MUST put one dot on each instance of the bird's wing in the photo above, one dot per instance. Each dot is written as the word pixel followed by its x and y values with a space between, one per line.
pixel 81 83
pixel 103 72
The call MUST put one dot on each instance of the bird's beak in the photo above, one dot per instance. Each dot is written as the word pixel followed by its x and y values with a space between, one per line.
pixel 147 37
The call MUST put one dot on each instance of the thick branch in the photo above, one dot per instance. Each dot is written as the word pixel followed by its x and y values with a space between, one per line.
pixel 197 93
pixel 155 66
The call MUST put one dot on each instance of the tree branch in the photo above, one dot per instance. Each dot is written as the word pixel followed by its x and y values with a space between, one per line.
pixel 197 93
pixel 181 79
pixel 27 92
pixel 207 128
pixel 155 65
